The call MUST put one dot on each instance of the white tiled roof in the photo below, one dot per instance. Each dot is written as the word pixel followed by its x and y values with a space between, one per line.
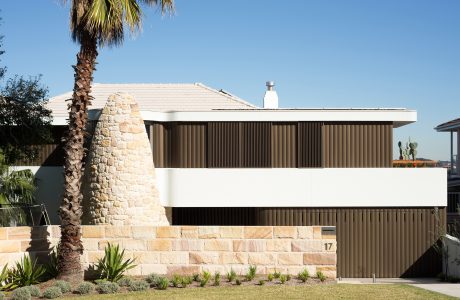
pixel 158 97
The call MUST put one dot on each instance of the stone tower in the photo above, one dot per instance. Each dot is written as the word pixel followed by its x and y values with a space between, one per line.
pixel 120 185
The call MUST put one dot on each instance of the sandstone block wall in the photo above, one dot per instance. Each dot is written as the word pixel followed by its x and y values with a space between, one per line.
pixel 190 249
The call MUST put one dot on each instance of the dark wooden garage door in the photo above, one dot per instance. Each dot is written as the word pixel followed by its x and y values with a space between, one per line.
pixel 390 242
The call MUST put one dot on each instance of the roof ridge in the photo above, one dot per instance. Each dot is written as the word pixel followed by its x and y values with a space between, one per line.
pixel 230 96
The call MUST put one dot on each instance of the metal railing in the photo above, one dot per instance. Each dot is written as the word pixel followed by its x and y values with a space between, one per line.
pixel 19 214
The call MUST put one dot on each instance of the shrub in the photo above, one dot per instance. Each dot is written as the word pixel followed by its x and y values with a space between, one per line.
pixel 238 281
pixel 138 285
pixel 231 275
pixel 112 266
pixel 217 279
pixel 176 280
pixel 2 296
pixel 162 283
pixel 205 278
pixel 283 278
pixel 63 285
pixel 321 276
pixel 251 273
pixel 186 280
pixel 4 276
pixel 288 277
pixel 270 277
pixel 85 288
pixel 34 290
pixel 152 278
pixel 52 292
pixel 125 281
pixel 51 268
pixel 107 287
pixel 261 282
pixel 196 277
pixel 276 274
pixel 303 276
pixel 21 294
pixel 26 272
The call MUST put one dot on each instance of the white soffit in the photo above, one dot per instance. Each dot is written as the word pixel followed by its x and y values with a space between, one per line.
pixel 399 117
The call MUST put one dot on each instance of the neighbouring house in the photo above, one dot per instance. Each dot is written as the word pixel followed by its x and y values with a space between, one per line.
pixel 453 183
pixel 223 161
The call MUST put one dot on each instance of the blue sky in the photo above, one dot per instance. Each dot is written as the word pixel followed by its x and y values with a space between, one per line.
pixel 338 53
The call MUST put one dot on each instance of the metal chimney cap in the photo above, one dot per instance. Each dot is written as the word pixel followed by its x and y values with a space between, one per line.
pixel 270 83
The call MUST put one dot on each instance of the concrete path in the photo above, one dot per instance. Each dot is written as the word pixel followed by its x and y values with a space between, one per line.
pixel 432 284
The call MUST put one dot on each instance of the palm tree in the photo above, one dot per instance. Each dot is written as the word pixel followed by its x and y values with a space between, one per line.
pixel 93 24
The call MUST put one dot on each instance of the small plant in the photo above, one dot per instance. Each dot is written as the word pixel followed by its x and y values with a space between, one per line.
pixel 162 283
pixel 205 278
pixel 303 276
pixel 270 277
pixel 51 267
pixel 251 273
pixel 112 266
pixel 186 280
pixel 84 288
pixel 107 287
pixel 27 272
pixel 217 279
pixel 261 282
pixel 238 281
pixel 34 290
pixel 176 280
pixel 4 275
pixel 125 281
pixel 288 277
pixel 283 278
pixel 276 274
pixel 2 296
pixel 63 285
pixel 21 294
pixel 196 277
pixel 138 285
pixel 152 278
pixel 321 276
pixel 52 292
pixel 231 276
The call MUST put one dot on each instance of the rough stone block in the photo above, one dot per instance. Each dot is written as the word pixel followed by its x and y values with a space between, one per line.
pixel 143 232
pixel 105 243
pixel 217 245
pixel 93 231
pixel 239 245
pixel 255 245
pixel 10 246
pixel 168 232
pixel 273 269
pixel 290 259
pixel 90 244
pixel 200 258
pixel 317 232
pixel 319 258
pixel 208 232
pixel 305 232
pixel 3 233
pixel 146 257
pixel 260 259
pixel 39 233
pixel 19 233
pixel 281 245
pixel 174 257
pixel 147 269
pixel 159 245
pixel 329 245
pixel 184 270
pixel 285 232
pixel 189 232
pixel 233 258
pixel 118 231
pixel 330 271
pixel 37 245
pixel 306 246
pixel 131 244
pixel 55 232
pixel 231 232
pixel 94 256
pixel 294 270
pixel 187 245
pixel 258 232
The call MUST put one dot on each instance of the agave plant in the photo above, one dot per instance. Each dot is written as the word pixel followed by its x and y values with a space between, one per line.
pixel 4 275
pixel 112 266
pixel 26 272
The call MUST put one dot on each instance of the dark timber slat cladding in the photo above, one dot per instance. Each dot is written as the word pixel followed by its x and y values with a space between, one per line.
pixel 255 146
pixel 223 145
pixel 390 242
pixel 284 145
pixel 309 144
pixel 49 155
pixel 188 145
pixel 357 144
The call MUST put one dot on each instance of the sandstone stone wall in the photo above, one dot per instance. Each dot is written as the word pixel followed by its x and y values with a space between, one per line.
pixel 190 249
pixel 119 183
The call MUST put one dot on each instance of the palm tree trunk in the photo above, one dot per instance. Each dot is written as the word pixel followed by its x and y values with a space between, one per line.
pixel 71 247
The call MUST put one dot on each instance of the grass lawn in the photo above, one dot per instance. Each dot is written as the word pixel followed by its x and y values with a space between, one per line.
pixel 329 291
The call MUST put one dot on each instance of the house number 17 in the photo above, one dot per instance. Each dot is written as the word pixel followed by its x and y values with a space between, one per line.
pixel 328 246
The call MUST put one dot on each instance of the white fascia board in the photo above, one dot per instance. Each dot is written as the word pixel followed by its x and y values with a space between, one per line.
pixel 398 117
pixel 329 187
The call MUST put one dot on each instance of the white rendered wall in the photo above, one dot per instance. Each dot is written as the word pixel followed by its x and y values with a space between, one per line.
pixel 344 187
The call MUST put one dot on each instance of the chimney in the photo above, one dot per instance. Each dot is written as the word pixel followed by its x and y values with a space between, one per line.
pixel 270 97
